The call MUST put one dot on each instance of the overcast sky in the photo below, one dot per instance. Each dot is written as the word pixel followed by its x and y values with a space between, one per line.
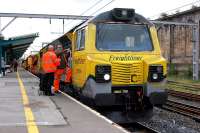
pixel 148 8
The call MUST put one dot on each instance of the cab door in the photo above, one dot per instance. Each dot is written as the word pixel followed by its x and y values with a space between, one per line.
pixel 79 59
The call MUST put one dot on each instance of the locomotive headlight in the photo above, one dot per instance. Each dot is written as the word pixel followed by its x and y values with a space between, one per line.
pixel 124 12
pixel 155 76
pixel 155 73
pixel 102 73
pixel 107 77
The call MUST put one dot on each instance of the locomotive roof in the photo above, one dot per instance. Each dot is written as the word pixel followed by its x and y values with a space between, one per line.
pixel 108 17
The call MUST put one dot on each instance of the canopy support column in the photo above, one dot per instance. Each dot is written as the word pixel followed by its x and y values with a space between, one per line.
pixel 0 59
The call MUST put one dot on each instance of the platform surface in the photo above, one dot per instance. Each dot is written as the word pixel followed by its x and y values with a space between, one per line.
pixel 54 114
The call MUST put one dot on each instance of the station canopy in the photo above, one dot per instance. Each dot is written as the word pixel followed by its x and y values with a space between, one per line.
pixel 15 47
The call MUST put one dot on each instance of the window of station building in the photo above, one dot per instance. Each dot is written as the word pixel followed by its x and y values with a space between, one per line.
pixel 80 41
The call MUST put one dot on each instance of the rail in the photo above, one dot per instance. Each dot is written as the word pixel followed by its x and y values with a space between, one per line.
pixel 185 95
pixel 189 85
pixel 138 127
pixel 183 108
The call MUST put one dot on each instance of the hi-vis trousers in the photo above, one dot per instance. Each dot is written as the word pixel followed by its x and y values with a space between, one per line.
pixel 57 77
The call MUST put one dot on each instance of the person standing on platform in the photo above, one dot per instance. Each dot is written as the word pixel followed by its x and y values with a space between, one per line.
pixel 49 66
pixel 15 65
pixel 3 66
pixel 61 68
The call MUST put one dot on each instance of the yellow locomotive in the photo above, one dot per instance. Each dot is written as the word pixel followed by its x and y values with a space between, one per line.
pixel 116 60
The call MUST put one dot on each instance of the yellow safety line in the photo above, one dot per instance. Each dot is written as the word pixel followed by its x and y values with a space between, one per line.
pixel 30 120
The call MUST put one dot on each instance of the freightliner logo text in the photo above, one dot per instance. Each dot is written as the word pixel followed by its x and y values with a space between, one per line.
pixel 124 58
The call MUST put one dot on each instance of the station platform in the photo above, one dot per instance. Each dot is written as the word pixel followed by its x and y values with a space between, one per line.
pixel 22 110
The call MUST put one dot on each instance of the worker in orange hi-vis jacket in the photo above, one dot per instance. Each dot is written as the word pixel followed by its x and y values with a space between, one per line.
pixel 49 66
pixel 61 68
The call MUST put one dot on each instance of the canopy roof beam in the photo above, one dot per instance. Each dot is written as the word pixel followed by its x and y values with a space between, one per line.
pixel 45 16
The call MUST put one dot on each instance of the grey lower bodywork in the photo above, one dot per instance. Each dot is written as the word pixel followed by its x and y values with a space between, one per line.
pixel 102 92
pixel 92 88
pixel 156 92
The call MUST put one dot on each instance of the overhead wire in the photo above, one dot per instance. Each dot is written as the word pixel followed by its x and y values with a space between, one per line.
pixel 97 9
pixel 91 7
pixel 102 7
pixel 88 9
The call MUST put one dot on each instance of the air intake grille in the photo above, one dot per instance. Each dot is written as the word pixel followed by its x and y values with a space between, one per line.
pixel 127 73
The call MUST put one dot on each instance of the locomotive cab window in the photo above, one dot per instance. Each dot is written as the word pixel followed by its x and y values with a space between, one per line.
pixel 80 41
pixel 123 37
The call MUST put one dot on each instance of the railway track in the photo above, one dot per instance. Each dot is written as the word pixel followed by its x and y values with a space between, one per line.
pixel 187 86
pixel 183 108
pixel 185 95
pixel 128 121
pixel 138 127
pixel 180 107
